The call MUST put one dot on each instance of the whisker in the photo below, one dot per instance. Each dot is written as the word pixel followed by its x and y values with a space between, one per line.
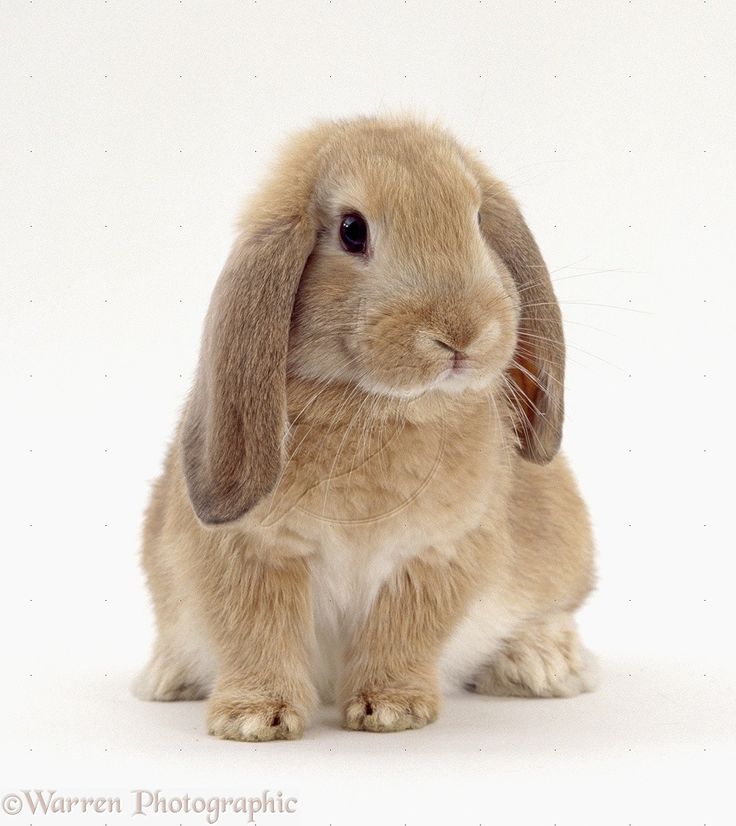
pixel 575 347
pixel 589 326
pixel 515 389
pixel 337 454
pixel 530 285
pixel 589 304
pixel 521 419
pixel 507 455
pixel 597 272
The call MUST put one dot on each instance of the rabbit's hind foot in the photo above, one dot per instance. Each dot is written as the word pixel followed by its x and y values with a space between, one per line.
pixel 544 658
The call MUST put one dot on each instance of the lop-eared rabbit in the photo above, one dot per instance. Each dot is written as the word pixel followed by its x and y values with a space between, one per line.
pixel 364 500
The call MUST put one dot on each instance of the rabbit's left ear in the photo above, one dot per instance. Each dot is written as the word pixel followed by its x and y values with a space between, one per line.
pixel 232 437
pixel 537 372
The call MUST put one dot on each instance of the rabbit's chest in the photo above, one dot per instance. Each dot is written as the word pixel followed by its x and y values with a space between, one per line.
pixel 366 516
pixel 402 489
pixel 355 559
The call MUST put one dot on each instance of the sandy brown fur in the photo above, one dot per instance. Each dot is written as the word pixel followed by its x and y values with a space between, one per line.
pixel 330 517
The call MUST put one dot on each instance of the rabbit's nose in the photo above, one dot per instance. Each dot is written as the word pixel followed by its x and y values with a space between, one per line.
pixel 459 358
pixel 445 345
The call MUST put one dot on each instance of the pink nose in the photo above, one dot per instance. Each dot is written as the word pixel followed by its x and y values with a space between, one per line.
pixel 459 359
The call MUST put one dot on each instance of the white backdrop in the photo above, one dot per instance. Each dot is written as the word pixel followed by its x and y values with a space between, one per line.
pixel 130 133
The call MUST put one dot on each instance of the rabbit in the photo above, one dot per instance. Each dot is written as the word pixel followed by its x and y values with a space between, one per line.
pixel 364 502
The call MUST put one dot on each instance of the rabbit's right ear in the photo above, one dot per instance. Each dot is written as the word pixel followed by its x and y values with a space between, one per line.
pixel 234 424
pixel 536 378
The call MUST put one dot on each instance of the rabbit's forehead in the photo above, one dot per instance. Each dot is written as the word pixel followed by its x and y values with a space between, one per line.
pixel 403 185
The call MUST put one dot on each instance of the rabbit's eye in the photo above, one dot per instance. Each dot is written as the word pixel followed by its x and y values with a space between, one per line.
pixel 354 233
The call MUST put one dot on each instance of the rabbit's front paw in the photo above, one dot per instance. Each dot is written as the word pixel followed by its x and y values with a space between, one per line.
pixel 253 718
pixel 391 709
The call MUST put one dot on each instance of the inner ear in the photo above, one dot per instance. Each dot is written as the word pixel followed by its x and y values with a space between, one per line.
pixel 527 391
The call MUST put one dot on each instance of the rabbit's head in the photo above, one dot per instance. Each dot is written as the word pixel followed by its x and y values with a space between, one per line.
pixel 379 254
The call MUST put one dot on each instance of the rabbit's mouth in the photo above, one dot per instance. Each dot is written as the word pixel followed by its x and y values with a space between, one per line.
pixel 461 376
pixel 422 365
pixel 458 372
pixel 451 380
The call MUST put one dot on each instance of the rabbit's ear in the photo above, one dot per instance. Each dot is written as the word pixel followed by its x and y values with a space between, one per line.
pixel 234 425
pixel 537 372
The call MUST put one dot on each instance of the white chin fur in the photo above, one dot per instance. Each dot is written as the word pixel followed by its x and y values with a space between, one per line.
pixel 394 392
pixel 448 382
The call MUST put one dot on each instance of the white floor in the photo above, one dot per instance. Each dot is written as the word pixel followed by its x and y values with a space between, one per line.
pixel 654 745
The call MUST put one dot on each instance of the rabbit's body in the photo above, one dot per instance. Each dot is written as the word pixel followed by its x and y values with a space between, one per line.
pixel 365 491
pixel 392 537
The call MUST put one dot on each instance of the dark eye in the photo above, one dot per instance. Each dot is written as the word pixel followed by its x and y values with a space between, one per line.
pixel 480 221
pixel 354 233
